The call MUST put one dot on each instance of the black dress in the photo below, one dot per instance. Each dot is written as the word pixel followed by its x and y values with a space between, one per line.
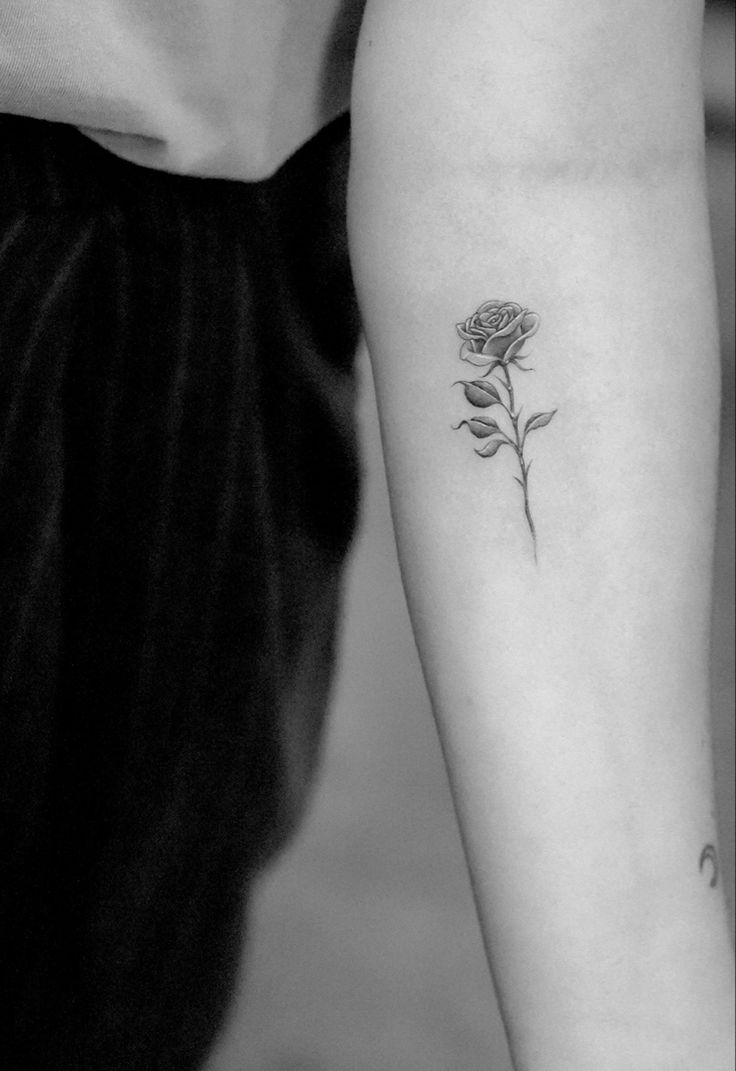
pixel 178 489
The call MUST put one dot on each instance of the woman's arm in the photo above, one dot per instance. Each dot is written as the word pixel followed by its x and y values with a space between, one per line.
pixel 549 154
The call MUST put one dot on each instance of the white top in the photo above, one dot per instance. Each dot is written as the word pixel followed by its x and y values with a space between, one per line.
pixel 225 88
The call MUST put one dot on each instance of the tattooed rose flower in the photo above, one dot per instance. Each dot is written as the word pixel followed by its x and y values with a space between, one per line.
pixel 493 337
pixel 496 333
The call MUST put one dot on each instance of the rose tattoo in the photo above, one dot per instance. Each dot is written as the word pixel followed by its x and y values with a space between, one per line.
pixel 493 338
pixel 496 332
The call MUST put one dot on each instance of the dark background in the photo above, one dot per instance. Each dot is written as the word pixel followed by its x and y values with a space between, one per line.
pixel 366 953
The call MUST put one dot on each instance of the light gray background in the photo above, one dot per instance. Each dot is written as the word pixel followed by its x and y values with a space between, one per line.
pixel 365 953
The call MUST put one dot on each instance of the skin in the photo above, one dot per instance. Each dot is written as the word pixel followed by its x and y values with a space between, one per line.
pixel 551 154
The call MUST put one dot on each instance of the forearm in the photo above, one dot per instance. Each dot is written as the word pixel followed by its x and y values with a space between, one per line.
pixel 570 694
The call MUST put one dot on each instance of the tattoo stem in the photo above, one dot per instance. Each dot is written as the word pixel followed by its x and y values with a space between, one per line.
pixel 520 454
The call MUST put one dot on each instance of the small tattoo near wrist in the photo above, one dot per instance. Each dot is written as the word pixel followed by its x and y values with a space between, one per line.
pixel 709 855
pixel 493 338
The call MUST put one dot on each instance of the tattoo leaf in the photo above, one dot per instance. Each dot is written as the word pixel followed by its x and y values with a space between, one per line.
pixel 538 420
pixel 492 447
pixel 481 393
pixel 481 427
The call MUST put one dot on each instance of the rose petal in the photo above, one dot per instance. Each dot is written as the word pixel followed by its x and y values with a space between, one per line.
pixel 513 350
pixel 530 324
pixel 473 357
pixel 496 346
pixel 490 306
pixel 512 325
pixel 475 335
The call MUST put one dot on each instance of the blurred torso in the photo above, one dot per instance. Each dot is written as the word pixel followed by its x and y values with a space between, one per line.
pixel 225 88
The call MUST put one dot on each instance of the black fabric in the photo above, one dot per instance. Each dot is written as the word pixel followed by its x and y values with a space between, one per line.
pixel 178 488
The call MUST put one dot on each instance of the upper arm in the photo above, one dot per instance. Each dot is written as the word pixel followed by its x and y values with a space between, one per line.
pixel 521 84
